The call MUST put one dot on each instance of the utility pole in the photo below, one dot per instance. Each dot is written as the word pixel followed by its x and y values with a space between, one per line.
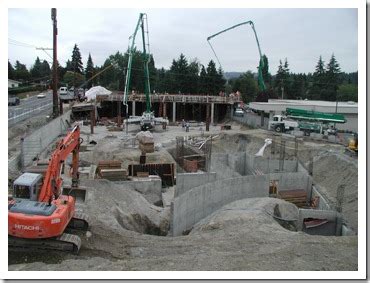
pixel 55 63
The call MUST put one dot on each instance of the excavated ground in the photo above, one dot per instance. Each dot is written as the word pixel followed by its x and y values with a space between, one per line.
pixel 127 232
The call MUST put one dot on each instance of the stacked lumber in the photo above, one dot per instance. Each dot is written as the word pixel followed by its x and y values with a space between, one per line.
pixel 297 197
pixel 114 174
pixel 107 164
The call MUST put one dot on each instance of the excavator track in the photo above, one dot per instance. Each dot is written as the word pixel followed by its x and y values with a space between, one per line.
pixel 65 242
pixel 79 221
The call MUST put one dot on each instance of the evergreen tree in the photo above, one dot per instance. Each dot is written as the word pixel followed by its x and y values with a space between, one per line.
pixel 179 75
pixel 220 81
pixel 76 62
pixel 89 71
pixel 69 66
pixel 192 85
pixel 317 89
pixel 10 71
pixel 36 69
pixel 21 72
pixel 45 70
pixel 212 87
pixel 247 85
pixel 203 81
pixel 319 69
pixel 332 75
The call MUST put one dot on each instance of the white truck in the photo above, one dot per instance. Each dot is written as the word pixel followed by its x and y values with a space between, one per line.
pixel 281 123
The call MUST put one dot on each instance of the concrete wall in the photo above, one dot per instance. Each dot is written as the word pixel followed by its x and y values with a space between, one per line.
pixel 273 165
pixel 237 162
pixel 197 203
pixel 151 189
pixel 188 181
pixel 40 139
pixel 220 165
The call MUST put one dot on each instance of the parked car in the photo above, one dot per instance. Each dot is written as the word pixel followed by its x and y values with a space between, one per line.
pixel 239 112
pixel 41 95
pixel 13 100
pixel 65 95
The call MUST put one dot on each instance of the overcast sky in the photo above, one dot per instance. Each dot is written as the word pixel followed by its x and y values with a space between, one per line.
pixel 301 35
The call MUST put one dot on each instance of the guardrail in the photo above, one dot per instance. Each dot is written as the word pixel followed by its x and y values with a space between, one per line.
pixel 24 115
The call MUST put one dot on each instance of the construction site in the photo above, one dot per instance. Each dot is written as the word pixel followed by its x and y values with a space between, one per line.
pixel 140 181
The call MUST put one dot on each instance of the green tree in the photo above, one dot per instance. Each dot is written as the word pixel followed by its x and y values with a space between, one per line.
pixel 212 78
pixel 192 80
pixel 36 69
pixel 317 89
pixel 247 85
pixel 10 71
pixel 89 71
pixel 21 72
pixel 45 70
pixel 76 62
pixel 203 81
pixel 71 78
pixel 332 75
pixel 347 92
pixel 179 72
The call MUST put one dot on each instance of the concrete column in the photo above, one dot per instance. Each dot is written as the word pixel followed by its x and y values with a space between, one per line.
pixel 262 118
pixel 164 109
pixel 212 112
pixel 133 108
pixel 174 112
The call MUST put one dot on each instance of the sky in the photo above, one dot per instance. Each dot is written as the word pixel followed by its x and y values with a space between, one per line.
pixel 300 35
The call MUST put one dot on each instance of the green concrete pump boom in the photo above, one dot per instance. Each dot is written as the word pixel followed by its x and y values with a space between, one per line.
pixel 143 23
pixel 261 83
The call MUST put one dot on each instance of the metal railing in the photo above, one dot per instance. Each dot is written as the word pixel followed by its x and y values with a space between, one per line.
pixel 172 98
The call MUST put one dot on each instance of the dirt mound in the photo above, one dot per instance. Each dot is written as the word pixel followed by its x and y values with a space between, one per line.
pixel 115 207
pixel 331 171
pixel 254 213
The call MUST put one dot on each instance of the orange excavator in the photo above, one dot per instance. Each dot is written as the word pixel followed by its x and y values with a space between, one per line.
pixel 38 214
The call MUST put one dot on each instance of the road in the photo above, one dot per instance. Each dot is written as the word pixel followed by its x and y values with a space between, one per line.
pixel 30 107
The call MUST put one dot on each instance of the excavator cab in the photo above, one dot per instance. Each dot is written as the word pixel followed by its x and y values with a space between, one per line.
pixel 27 186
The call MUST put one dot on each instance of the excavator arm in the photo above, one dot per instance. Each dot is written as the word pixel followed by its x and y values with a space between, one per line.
pixel 261 82
pixel 52 181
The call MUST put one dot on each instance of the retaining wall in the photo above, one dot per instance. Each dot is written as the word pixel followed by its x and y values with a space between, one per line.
pixel 273 165
pixel 197 203
pixel 39 140
pixel 188 181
